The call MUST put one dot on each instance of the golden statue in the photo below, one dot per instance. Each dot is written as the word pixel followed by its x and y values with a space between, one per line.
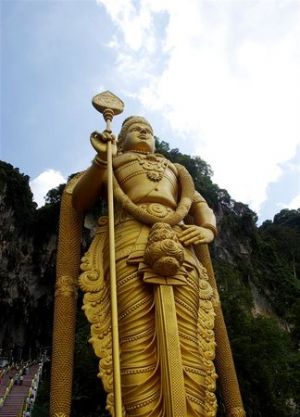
pixel 166 293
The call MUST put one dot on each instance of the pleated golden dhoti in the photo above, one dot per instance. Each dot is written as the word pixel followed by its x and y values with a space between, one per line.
pixel 166 330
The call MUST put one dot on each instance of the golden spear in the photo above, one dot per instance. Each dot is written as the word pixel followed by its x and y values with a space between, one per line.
pixel 110 105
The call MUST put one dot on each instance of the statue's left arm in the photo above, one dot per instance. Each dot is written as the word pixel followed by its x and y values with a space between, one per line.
pixel 206 221
pixel 204 228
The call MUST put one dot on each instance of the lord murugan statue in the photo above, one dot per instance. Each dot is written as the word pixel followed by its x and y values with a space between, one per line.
pixel 172 340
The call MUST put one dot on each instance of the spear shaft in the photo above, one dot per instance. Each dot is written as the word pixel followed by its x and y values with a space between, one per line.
pixel 110 105
pixel 112 267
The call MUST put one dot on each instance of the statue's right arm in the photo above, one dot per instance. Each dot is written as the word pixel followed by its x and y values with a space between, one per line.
pixel 89 187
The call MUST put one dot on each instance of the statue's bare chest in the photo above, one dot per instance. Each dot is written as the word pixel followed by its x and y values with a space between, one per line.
pixel 147 178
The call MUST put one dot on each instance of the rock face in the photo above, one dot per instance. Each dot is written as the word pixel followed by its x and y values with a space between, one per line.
pixel 27 266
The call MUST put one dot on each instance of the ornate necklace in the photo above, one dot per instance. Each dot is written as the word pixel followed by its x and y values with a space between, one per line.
pixel 142 152
pixel 154 166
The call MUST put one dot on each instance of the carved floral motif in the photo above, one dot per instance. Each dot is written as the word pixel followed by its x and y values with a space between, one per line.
pixel 66 286
pixel 154 166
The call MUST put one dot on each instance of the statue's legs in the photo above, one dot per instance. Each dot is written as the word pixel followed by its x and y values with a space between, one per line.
pixel 140 374
pixel 142 391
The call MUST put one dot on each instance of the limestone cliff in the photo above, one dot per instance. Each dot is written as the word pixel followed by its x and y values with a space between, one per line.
pixel 27 266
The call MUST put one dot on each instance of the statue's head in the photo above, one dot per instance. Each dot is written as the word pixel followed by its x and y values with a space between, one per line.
pixel 136 135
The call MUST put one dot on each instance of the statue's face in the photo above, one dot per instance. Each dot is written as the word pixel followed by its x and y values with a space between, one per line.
pixel 139 137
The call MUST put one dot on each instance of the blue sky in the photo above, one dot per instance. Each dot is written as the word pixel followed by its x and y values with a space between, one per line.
pixel 219 79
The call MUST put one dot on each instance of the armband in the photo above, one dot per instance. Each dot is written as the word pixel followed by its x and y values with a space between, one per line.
pixel 100 162
pixel 210 227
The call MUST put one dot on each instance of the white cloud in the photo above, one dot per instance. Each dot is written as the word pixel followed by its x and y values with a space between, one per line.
pixel 295 203
pixel 229 82
pixel 43 183
pixel 136 24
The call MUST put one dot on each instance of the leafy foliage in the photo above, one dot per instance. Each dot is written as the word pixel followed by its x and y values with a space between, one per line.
pixel 264 356
pixel 89 397
pixel 200 171
pixel 266 366
pixel 17 195
pixel 276 261
pixel 47 216
pixel 41 406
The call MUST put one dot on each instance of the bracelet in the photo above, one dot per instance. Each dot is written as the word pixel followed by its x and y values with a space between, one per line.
pixel 237 412
pixel 100 162
pixel 210 227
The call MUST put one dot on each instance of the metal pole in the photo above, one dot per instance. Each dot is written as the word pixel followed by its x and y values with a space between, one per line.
pixel 110 105
pixel 113 283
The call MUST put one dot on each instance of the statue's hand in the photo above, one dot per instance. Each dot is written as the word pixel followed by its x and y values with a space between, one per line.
pixel 193 235
pixel 99 143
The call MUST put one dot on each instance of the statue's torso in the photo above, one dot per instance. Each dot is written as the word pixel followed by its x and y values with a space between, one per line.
pixel 147 178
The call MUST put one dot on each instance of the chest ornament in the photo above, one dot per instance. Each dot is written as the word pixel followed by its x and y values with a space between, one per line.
pixel 154 166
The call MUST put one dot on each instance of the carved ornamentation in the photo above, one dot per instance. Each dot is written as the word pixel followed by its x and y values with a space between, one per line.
pixel 237 412
pixel 157 210
pixel 96 306
pixel 154 166
pixel 66 286
pixel 164 252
